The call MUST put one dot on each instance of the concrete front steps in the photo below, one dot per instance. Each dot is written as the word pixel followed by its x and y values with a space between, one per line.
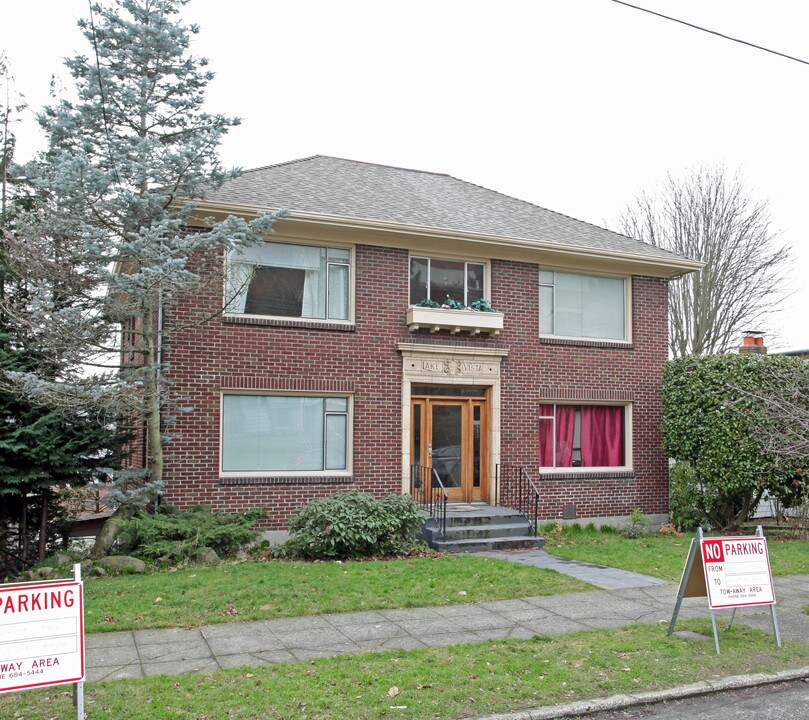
pixel 477 527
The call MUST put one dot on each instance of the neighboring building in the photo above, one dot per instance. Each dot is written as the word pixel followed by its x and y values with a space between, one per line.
pixel 803 354
pixel 324 374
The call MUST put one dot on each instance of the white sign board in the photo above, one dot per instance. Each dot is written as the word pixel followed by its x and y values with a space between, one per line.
pixel 737 571
pixel 41 635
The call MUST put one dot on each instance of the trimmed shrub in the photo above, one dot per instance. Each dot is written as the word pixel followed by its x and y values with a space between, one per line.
pixel 171 536
pixel 354 524
pixel 638 525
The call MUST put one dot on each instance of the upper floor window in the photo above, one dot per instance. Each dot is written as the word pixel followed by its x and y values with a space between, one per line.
pixel 285 280
pixel 438 279
pixel 586 306
pixel 284 433
pixel 582 435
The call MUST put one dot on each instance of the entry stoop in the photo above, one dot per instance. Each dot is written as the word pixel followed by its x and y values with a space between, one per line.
pixel 476 527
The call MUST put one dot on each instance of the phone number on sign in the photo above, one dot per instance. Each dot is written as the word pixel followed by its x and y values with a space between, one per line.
pixel 21 673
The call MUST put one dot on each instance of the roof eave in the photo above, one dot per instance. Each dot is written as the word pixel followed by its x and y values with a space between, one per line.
pixel 641 264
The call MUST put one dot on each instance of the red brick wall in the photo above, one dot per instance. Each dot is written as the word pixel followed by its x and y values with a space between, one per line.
pixel 537 370
pixel 365 361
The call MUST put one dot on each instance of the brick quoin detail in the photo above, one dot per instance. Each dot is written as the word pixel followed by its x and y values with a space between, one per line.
pixel 362 359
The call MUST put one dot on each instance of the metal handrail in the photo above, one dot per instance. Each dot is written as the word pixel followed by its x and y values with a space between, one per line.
pixel 515 488
pixel 433 499
pixel 8 566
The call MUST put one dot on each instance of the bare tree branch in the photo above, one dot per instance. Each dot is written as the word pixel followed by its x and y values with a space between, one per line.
pixel 784 430
pixel 709 216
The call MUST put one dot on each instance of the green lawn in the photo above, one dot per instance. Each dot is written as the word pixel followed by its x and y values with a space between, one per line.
pixel 662 556
pixel 261 590
pixel 450 682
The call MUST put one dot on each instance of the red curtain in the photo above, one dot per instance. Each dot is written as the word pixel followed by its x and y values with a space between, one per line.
pixel 563 417
pixel 565 424
pixel 602 436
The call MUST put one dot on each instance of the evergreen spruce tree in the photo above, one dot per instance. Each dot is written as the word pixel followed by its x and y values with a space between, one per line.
pixel 42 448
pixel 107 250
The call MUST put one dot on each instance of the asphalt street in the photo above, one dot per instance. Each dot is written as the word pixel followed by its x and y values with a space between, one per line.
pixel 784 701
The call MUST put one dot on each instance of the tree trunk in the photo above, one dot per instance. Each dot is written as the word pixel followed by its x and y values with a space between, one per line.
pixel 23 533
pixel 43 527
pixel 154 436
pixel 110 530
pixel 4 523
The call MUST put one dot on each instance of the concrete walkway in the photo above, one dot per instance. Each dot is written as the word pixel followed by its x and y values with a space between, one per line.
pixel 599 575
pixel 637 599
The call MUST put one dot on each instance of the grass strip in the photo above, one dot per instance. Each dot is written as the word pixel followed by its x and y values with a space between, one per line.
pixel 659 555
pixel 262 590
pixel 448 682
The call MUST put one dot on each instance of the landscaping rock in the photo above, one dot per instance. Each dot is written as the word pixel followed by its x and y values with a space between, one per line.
pixel 208 556
pixel 45 572
pixel 86 566
pixel 122 564
pixel 60 560
pixel 98 571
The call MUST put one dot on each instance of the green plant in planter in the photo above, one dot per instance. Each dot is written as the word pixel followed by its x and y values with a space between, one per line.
pixel 482 305
pixel 453 304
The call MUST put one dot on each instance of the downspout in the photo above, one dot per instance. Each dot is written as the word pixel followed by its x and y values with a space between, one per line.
pixel 159 374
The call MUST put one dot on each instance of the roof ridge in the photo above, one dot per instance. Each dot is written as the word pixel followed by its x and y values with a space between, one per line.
pixel 348 160
pixel 280 164
pixel 383 165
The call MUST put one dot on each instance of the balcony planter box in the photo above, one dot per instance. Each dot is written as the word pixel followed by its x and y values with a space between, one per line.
pixel 472 321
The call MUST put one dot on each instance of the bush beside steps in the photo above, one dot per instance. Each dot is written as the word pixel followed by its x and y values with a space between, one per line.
pixel 354 525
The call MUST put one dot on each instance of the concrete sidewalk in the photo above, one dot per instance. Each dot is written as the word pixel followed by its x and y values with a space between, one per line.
pixel 638 599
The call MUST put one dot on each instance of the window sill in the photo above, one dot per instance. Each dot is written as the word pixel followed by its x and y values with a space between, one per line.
pixel 585 342
pixel 586 474
pixel 287 480
pixel 310 324
pixel 472 321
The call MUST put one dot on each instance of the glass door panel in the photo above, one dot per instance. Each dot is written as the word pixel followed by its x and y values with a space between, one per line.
pixel 446 448
pixel 476 447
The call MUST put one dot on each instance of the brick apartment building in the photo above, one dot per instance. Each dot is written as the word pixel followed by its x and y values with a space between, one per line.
pixel 325 373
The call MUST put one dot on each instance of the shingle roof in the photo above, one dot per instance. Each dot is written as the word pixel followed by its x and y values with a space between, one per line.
pixel 358 190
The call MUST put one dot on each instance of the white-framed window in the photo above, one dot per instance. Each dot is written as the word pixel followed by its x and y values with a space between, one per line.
pixel 584 435
pixel 441 278
pixel 279 434
pixel 286 280
pixel 583 306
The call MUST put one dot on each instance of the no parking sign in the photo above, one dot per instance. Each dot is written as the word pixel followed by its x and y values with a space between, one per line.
pixel 732 572
pixel 42 636
pixel 737 571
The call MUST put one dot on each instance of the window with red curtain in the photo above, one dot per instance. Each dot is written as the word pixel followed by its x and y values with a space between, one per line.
pixel 581 435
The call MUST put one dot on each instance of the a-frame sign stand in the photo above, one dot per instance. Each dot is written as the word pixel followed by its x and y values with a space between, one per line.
pixel 731 572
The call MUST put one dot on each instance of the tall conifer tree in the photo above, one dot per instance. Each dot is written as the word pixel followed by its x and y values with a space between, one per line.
pixel 42 448
pixel 108 250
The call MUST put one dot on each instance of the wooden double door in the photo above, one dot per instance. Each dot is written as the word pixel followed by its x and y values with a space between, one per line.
pixel 450 433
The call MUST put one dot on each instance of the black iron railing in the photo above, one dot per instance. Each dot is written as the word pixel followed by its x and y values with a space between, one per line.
pixel 13 564
pixel 515 489
pixel 429 493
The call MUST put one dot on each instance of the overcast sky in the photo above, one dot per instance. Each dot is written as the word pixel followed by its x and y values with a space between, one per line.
pixel 575 105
